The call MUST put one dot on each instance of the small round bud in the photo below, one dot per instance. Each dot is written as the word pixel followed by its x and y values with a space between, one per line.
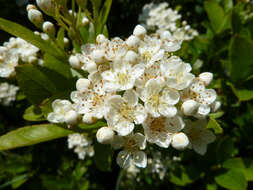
pixel 74 62
pixel 101 39
pixel 98 56
pixel 71 117
pixel 82 84
pixel 48 28
pixel 85 21
pixel 215 106
pixel 180 141
pixel 133 42
pixel 44 36
pixel 88 118
pixel 35 16
pixel 139 31
pixel 30 6
pixel 166 35
pixel 66 41
pixel 105 135
pixel 206 77
pixel 47 6
pixel 189 107
pixel 91 67
pixel 131 57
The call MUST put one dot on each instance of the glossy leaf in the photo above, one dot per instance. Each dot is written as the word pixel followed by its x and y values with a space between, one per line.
pixel 30 135
pixel 213 124
pixel 33 114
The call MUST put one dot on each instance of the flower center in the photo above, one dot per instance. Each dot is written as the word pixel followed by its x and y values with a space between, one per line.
pixel 158 126
pixel 122 78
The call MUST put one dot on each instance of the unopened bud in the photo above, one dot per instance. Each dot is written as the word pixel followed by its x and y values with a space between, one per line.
pixel 30 6
pixel 180 141
pixel 139 31
pixel 82 84
pixel 47 6
pixel 105 135
pixel 189 107
pixel 101 39
pixel 206 77
pixel 85 21
pixel 66 41
pixel 133 42
pixel 71 117
pixel 48 28
pixel 74 62
pixel 35 16
pixel 131 57
pixel 91 67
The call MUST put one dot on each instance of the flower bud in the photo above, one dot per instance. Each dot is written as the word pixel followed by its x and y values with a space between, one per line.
pixel 85 21
pixel 139 31
pixel 44 36
pixel 131 57
pixel 30 6
pixel 98 56
pixel 91 67
pixel 189 107
pixel 88 118
pixel 82 84
pixel 105 135
pixel 101 39
pixel 180 141
pixel 66 41
pixel 71 117
pixel 133 42
pixel 74 62
pixel 206 77
pixel 47 6
pixel 35 16
pixel 48 28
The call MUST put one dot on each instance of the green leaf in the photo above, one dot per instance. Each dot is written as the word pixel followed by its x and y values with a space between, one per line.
pixel 213 124
pixel 96 125
pixel 33 113
pixel 232 180
pixel 241 94
pixel 59 66
pixel 30 135
pixel 211 187
pixel 246 167
pixel 103 156
pixel 236 22
pixel 39 83
pixel 216 115
pixel 241 58
pixel 29 36
pixel 103 15
pixel 215 14
pixel 60 38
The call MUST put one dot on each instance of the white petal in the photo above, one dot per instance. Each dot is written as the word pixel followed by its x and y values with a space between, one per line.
pixel 124 127
pixel 131 97
pixel 175 124
pixel 138 70
pixel 140 159
pixel 140 140
pixel 204 110
pixel 167 110
pixel 123 159
pixel 140 114
pixel 118 142
pixel 170 96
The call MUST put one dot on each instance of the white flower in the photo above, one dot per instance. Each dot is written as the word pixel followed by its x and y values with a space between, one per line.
pixel 177 73
pixel 7 93
pixel 105 135
pixel 160 130
pixel 35 16
pixel 206 77
pixel 48 28
pixel 132 146
pixel 150 51
pixel 132 42
pixel 124 112
pixel 159 100
pixel 8 62
pixel 169 43
pixel 63 111
pixel 179 141
pixel 189 107
pixel 89 99
pixel 139 31
pixel 199 136
pixel 122 76
pixel 81 144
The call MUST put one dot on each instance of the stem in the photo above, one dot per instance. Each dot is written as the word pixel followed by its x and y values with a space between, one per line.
pixel 121 173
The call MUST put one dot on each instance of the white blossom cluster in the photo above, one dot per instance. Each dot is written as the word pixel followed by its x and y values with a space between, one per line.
pixel 159 18
pixel 14 51
pixel 7 93
pixel 81 145
pixel 144 92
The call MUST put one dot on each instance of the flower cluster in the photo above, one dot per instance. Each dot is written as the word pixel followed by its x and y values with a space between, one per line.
pixel 81 145
pixel 143 91
pixel 14 51
pixel 7 93
pixel 161 18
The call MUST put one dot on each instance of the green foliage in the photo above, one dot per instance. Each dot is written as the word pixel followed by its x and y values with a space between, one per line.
pixel 30 135
pixel 103 158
